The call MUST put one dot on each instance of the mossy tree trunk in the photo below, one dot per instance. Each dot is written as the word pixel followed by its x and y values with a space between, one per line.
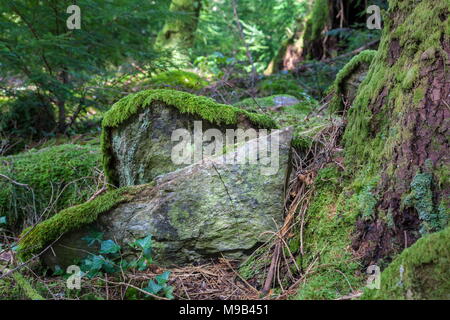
pixel 178 33
pixel 398 129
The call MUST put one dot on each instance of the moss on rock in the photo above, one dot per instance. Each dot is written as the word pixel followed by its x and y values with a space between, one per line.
pixel 419 272
pixel 59 177
pixel 35 239
pixel 178 79
pixel 197 106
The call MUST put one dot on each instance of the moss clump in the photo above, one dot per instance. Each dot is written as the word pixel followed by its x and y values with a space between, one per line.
pixel 327 238
pixel 432 218
pixel 59 176
pixel 202 107
pixel 426 271
pixel 178 79
pixel 34 240
pixel 281 84
pixel 25 285
pixel 337 88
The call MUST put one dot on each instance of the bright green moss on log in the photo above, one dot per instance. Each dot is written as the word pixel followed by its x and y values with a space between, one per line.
pixel 364 58
pixel 178 79
pixel 34 240
pixel 59 176
pixel 426 271
pixel 202 107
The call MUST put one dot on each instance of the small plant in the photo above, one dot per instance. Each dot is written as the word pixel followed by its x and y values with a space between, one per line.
pixel 159 286
pixel 109 260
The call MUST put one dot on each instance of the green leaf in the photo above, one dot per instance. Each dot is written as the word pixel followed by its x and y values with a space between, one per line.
pixel 148 254
pixel 2 220
pixel 145 243
pixel 93 237
pixel 109 266
pixel 153 287
pixel 58 271
pixel 109 247
pixel 168 292
pixel 163 278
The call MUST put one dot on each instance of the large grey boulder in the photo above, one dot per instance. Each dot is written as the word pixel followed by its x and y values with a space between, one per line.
pixel 137 138
pixel 197 212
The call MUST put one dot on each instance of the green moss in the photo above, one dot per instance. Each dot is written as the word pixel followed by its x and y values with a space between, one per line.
pixel 327 238
pixel 59 176
pixel 426 271
pixel 25 285
pixel 202 107
pixel 34 240
pixel 432 218
pixel 416 31
pixel 364 58
pixel 281 84
pixel 178 79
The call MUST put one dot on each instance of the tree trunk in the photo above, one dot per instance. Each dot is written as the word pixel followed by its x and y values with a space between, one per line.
pixel 178 34
pixel 61 103
pixel 398 130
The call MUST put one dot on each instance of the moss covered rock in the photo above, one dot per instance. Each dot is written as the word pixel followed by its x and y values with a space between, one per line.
pixel 419 272
pixel 285 109
pixel 55 178
pixel 195 213
pixel 177 79
pixel 137 131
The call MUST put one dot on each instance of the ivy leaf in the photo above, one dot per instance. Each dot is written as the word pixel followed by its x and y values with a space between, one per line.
pixel 148 254
pixel 109 247
pixel 163 278
pixel 153 287
pixel 94 264
pixel 108 266
pixel 145 243
pixel 58 271
pixel 93 238
pixel 168 292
